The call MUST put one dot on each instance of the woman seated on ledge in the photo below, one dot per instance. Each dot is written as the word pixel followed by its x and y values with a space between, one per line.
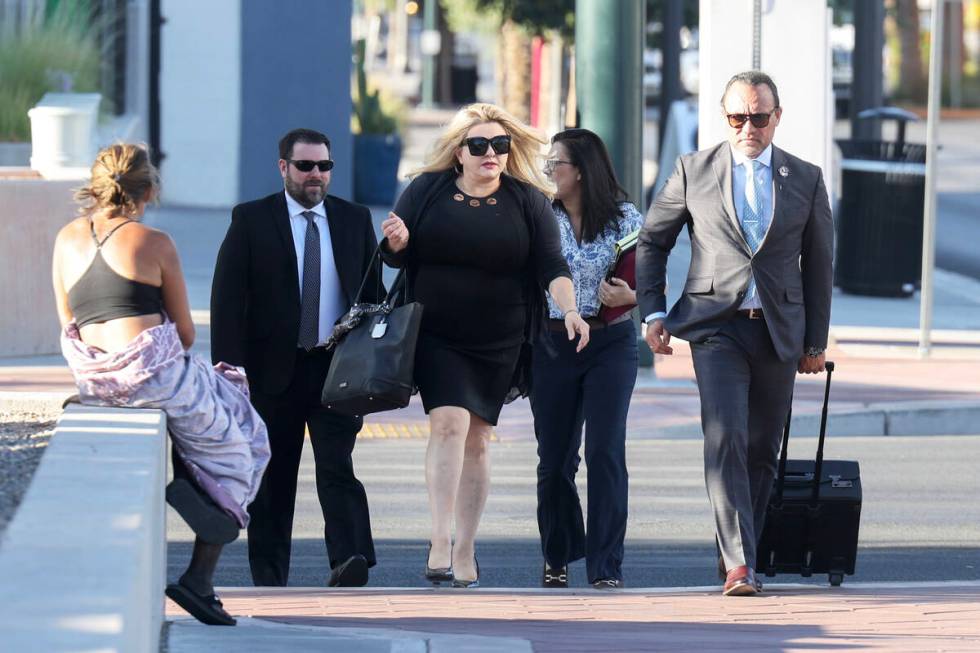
pixel 127 326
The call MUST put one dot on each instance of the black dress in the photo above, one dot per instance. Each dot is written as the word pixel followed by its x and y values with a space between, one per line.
pixel 470 266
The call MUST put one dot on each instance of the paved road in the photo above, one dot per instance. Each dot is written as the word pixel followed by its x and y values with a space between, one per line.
pixel 920 519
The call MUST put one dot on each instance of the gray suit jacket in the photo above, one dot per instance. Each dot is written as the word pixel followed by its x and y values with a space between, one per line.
pixel 793 268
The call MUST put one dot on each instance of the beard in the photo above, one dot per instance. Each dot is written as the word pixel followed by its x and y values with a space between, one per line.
pixel 308 194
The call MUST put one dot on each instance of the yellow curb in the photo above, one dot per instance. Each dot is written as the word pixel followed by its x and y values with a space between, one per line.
pixel 397 431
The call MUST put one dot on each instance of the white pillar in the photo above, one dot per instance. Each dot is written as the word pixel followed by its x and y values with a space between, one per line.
pixel 795 53
pixel 200 102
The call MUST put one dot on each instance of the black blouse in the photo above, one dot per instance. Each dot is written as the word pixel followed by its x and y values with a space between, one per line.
pixel 491 263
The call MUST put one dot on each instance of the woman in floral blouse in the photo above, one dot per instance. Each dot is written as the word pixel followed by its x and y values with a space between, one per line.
pixel 592 387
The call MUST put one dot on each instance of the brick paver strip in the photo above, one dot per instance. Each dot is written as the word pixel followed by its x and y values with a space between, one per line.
pixel 938 617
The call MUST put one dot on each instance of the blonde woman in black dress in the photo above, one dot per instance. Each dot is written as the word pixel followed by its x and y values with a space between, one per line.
pixel 477 235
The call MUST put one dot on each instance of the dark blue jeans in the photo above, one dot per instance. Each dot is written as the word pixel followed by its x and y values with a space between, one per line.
pixel 591 387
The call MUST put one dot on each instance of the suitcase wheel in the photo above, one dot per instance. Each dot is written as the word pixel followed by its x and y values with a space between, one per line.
pixel 836 579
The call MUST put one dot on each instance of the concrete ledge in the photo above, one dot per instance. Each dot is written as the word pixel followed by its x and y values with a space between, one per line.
pixel 83 562
pixel 898 418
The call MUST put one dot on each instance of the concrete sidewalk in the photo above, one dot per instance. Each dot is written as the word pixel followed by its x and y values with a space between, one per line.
pixel 867 617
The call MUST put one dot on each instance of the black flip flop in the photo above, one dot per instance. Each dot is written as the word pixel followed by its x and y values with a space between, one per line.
pixel 206 609
pixel 206 519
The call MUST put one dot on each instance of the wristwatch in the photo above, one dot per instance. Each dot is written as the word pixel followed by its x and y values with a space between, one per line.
pixel 813 352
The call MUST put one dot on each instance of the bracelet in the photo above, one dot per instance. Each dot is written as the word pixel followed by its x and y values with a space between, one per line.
pixel 571 310
pixel 813 352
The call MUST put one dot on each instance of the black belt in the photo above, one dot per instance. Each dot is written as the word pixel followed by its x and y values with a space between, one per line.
pixel 752 313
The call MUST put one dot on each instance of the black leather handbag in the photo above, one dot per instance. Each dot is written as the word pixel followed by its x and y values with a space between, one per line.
pixel 374 352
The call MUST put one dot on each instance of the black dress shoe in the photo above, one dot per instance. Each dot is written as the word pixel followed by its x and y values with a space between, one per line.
pixel 469 584
pixel 353 572
pixel 608 584
pixel 437 575
pixel 206 609
pixel 555 578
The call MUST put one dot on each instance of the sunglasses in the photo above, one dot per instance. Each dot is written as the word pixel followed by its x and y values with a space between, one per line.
pixel 305 165
pixel 478 145
pixel 758 120
pixel 551 164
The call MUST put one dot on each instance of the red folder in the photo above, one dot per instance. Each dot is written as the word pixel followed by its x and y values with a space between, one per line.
pixel 624 267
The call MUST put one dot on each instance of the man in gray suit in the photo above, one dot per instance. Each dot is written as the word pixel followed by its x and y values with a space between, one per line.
pixel 755 307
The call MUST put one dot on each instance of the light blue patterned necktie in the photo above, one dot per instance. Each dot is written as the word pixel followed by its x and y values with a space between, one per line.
pixel 753 226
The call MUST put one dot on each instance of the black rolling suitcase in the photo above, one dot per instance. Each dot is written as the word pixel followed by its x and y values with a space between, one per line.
pixel 814 513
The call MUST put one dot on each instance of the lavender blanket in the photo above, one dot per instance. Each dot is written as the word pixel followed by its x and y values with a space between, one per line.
pixel 217 433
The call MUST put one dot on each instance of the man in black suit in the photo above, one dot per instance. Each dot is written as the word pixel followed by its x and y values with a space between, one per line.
pixel 290 265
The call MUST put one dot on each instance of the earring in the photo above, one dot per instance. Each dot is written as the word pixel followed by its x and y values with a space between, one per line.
pixel 458 168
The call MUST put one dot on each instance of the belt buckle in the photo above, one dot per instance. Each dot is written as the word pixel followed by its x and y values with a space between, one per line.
pixel 755 313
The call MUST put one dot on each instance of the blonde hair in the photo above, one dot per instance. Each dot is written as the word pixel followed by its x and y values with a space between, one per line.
pixel 526 142
pixel 122 177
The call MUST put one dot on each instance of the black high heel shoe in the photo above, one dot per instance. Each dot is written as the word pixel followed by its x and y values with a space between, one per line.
pixel 469 584
pixel 554 577
pixel 438 575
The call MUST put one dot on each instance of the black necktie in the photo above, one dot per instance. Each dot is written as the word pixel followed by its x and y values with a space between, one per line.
pixel 309 320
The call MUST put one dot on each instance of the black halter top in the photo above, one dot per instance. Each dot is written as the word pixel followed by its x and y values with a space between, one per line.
pixel 102 294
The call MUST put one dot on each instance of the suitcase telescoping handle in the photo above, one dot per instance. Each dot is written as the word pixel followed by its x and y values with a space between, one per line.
pixel 818 467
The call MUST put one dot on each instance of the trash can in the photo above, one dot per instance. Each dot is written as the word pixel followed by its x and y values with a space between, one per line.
pixel 879 218
pixel 463 78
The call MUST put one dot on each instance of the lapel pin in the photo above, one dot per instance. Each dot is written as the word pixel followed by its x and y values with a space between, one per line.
pixel 783 171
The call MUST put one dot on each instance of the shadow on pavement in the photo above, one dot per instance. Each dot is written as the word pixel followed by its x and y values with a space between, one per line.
pixel 517 563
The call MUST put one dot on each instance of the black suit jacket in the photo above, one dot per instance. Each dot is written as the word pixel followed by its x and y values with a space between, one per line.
pixel 255 298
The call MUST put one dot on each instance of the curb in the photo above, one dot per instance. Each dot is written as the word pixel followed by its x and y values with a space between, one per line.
pixel 893 418
pixel 888 418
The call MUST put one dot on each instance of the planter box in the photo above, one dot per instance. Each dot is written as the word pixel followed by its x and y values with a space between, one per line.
pixel 63 133
pixel 33 211
pixel 376 159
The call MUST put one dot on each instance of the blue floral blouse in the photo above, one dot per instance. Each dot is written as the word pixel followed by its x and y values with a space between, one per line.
pixel 589 262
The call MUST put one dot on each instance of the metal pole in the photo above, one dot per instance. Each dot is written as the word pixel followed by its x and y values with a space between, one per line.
pixel 929 210
pixel 430 30
pixel 609 82
pixel 955 53
pixel 866 85
pixel 756 34
pixel 153 110
pixel 670 86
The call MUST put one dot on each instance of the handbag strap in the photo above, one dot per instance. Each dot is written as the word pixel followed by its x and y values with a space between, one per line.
pixel 397 287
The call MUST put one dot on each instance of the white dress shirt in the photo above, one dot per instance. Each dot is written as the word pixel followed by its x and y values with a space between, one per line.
pixel 332 302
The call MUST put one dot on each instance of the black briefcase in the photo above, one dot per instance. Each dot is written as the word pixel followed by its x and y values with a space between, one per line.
pixel 814 513
pixel 373 363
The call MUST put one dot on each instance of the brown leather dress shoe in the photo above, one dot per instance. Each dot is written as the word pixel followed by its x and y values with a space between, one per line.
pixel 740 582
